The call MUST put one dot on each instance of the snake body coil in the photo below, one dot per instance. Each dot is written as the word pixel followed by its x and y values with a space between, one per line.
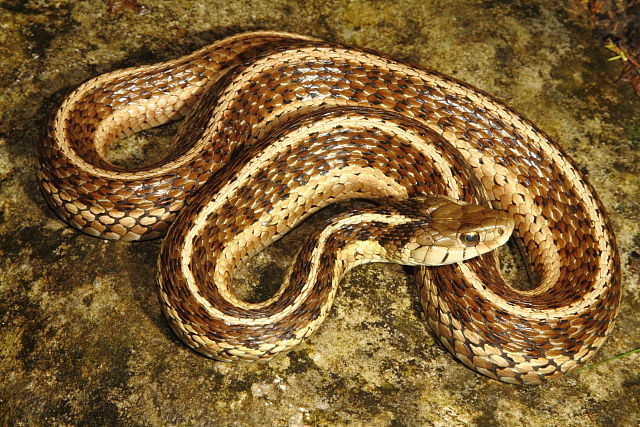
pixel 303 123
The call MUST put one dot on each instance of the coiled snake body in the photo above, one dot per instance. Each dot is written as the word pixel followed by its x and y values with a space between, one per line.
pixel 303 123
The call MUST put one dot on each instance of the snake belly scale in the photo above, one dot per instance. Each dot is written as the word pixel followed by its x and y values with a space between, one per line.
pixel 277 126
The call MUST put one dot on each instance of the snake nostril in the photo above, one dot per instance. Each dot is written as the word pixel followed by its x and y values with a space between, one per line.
pixel 500 231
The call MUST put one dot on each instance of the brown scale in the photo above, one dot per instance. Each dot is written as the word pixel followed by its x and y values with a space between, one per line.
pixel 283 77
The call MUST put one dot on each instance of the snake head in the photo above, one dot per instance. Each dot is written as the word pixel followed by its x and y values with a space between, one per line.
pixel 451 231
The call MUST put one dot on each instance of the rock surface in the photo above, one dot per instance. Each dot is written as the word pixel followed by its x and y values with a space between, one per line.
pixel 82 338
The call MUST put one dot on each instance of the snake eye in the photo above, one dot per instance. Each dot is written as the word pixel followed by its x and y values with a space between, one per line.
pixel 470 239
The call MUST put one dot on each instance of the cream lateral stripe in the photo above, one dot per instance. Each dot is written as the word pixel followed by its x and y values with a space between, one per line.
pixel 316 254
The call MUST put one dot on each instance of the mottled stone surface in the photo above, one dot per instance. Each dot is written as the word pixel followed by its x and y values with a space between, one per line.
pixel 82 338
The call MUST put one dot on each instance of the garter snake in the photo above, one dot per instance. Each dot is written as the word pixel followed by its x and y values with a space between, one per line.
pixel 277 126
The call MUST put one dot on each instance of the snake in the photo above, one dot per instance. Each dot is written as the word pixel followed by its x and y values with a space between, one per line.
pixel 276 126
